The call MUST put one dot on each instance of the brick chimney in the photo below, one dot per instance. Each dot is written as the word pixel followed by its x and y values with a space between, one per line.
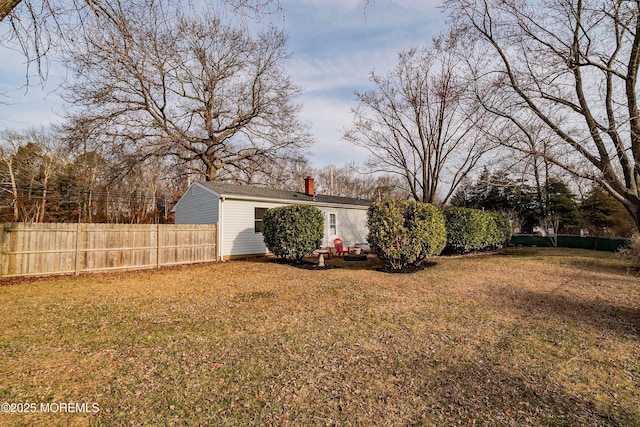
pixel 308 186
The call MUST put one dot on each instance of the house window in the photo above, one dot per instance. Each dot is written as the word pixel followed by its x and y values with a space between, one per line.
pixel 259 214
pixel 333 229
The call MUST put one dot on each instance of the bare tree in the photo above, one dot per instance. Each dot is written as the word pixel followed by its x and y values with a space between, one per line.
pixel 8 151
pixel 284 173
pixel 38 27
pixel 417 122
pixel 349 181
pixel 6 6
pixel 29 162
pixel 572 66
pixel 159 82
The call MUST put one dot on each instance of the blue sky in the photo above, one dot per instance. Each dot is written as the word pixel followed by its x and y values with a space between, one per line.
pixel 334 44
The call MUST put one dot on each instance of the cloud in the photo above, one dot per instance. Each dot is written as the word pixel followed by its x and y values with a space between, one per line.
pixel 333 5
pixel 336 73
pixel 335 47
pixel 329 117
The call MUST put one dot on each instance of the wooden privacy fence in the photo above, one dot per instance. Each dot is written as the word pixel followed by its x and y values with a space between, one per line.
pixel 40 249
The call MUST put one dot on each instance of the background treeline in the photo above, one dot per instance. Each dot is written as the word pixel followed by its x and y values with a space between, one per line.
pixel 44 178
pixel 551 203
pixel 48 176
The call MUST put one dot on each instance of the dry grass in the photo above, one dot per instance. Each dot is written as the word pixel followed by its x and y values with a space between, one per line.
pixel 531 336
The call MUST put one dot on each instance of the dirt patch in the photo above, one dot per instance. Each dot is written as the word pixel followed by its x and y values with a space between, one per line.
pixel 408 270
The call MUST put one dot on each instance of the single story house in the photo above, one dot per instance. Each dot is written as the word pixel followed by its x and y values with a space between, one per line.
pixel 238 211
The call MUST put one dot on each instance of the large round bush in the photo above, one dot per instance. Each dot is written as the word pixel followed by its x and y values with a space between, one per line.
pixel 404 233
pixel 294 231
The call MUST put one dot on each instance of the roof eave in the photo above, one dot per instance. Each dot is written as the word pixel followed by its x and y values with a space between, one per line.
pixel 290 201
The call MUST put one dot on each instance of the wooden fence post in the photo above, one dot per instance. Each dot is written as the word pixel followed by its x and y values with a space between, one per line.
pixel 158 248
pixel 216 240
pixel 77 261
pixel 5 248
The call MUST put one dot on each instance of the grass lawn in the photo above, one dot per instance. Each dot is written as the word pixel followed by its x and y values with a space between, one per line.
pixel 526 337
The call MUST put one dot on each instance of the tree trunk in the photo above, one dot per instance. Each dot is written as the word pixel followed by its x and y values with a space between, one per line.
pixel 14 190
pixel 6 6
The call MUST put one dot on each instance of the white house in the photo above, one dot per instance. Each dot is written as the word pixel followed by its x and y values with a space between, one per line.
pixel 238 211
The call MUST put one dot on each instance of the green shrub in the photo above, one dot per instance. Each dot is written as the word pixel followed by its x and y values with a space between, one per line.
pixel 404 233
pixel 474 230
pixel 291 232
pixel 492 233
pixel 504 228
pixel 466 229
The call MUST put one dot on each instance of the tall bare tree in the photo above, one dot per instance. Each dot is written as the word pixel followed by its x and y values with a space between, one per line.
pixel 159 82
pixel 417 123
pixel 572 67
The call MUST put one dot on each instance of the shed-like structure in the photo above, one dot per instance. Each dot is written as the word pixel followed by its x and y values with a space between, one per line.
pixel 238 211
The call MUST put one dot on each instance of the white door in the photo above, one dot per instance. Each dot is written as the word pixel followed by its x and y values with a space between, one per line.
pixel 331 226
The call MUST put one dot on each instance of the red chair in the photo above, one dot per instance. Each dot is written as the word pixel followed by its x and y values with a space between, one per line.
pixel 340 251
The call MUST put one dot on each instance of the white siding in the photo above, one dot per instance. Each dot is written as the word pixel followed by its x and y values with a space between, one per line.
pixel 236 230
pixel 351 225
pixel 197 206
pixel 238 227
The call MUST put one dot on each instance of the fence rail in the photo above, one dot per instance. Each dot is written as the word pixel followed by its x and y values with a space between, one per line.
pixel 569 241
pixel 42 249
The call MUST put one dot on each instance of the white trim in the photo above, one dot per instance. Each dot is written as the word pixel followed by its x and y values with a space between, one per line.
pixel 221 227
pixel 331 236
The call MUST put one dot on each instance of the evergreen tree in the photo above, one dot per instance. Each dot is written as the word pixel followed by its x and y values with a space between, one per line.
pixel 561 201
pixel 603 215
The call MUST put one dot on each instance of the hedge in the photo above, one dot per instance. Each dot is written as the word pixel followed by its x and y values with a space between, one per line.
pixel 404 233
pixel 291 232
pixel 504 230
pixel 474 230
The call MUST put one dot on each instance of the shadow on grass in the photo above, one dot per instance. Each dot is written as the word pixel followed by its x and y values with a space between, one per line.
pixel 485 393
pixel 580 259
pixel 305 264
pixel 311 263
pixel 370 263
pixel 596 313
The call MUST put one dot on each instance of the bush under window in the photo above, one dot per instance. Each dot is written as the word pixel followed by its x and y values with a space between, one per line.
pixel 291 232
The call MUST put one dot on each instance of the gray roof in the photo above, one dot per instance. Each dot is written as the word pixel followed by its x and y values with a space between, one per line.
pixel 270 193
